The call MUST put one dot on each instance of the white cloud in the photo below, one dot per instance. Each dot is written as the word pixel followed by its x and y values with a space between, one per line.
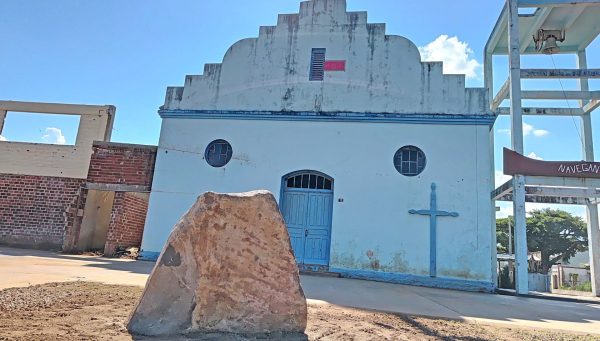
pixel 528 129
pixel 501 178
pixel 533 155
pixel 455 54
pixel 54 136
pixel 540 132
pixel 2 138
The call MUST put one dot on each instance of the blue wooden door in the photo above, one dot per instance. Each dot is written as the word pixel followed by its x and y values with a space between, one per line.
pixel 295 204
pixel 318 225
pixel 307 213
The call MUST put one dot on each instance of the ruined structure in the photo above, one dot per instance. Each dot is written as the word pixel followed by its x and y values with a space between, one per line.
pixel 227 266
pixel 92 195
pixel 349 129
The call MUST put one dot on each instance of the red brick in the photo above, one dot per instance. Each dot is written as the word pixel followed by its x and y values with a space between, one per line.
pixel 34 210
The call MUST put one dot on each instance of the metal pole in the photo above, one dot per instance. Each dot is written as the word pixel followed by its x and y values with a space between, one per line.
pixel 510 236
pixel 592 210
pixel 522 281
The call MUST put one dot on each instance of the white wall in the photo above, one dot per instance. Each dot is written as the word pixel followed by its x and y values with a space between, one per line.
pixel 384 73
pixel 359 156
pixel 68 161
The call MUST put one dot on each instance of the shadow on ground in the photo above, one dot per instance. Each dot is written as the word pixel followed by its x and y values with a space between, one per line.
pixel 224 337
pixel 118 264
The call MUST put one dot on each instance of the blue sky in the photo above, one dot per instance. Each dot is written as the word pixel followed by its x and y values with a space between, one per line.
pixel 126 53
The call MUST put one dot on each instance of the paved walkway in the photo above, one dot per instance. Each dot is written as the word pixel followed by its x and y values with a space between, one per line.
pixel 27 267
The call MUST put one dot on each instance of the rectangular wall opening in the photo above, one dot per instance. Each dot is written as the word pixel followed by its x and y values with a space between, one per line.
pixel 57 129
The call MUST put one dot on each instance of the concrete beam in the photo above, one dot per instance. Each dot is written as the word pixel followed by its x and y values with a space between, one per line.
pixel 549 195
pixel 542 199
pixel 67 161
pixel 499 29
pixel 503 190
pixel 117 187
pixel 562 182
pixel 55 108
pixel 545 111
pixel 559 73
pixel 561 95
pixel 501 95
pixel 574 15
pixel 591 106
pixel 555 3
pixel 539 21
pixel 562 192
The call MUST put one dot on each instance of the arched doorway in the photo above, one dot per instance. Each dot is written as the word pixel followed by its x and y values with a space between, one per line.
pixel 307 204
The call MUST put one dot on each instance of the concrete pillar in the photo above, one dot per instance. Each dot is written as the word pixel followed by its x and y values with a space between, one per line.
pixel 516 114
pixel 594 247
pixel 488 76
pixel 494 251
pixel 2 118
pixel 521 258
pixel 592 210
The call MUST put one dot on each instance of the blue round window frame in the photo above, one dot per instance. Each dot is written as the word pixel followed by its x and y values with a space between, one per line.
pixel 218 153
pixel 410 161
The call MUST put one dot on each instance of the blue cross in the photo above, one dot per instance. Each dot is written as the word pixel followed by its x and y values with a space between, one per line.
pixel 433 213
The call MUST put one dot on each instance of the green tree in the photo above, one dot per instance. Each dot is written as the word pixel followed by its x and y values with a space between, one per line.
pixel 556 234
pixel 502 234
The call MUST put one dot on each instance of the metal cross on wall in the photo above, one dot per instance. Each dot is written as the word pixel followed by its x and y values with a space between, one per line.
pixel 433 213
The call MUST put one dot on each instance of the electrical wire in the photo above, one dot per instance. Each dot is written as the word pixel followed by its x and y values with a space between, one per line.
pixel 567 101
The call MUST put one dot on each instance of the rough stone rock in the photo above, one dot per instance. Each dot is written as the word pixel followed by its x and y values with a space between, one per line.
pixel 227 267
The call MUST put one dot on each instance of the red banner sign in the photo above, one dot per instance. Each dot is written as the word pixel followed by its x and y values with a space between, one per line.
pixel 515 163
pixel 335 65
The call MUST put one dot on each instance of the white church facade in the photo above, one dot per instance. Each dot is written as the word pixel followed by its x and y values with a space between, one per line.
pixel 381 164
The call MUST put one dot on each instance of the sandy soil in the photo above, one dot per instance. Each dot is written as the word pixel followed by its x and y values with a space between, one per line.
pixel 92 311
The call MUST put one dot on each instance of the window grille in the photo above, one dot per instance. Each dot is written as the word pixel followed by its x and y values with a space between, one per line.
pixel 218 153
pixel 410 161
pixel 309 181
pixel 317 65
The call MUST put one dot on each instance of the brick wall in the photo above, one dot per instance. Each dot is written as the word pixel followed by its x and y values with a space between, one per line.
pixel 127 221
pixel 117 163
pixel 41 211
pixel 36 210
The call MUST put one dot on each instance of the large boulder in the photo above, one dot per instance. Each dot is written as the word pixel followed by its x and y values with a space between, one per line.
pixel 227 267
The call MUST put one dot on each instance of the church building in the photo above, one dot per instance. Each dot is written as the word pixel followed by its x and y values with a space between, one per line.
pixel 381 164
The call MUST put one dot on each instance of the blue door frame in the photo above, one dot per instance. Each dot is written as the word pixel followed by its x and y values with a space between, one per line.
pixel 308 215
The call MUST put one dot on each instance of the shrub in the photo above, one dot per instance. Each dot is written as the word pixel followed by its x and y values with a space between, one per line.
pixel 587 286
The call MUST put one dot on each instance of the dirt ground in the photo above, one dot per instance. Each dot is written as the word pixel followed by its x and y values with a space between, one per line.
pixel 93 311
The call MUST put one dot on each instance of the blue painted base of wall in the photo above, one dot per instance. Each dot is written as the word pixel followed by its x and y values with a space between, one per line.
pixel 423 281
pixel 149 255
pixel 389 277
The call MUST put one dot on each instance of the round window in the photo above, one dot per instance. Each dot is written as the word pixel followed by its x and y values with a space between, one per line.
pixel 410 161
pixel 218 153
